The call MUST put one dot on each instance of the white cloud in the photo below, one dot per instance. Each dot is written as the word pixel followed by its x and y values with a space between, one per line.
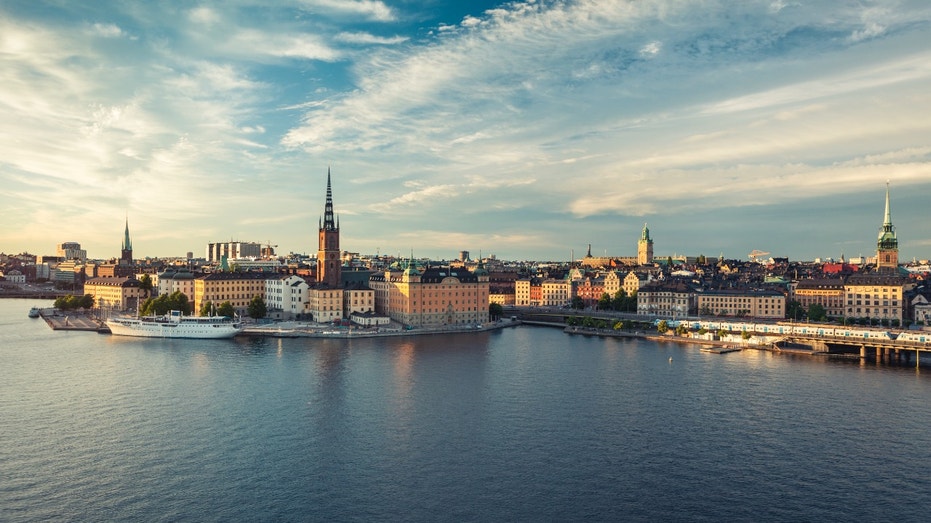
pixel 367 38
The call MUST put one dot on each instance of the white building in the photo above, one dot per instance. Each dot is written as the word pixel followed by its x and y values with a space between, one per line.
pixel 286 296
pixel 171 280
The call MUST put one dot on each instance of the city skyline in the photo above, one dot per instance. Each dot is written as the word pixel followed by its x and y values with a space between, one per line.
pixel 528 130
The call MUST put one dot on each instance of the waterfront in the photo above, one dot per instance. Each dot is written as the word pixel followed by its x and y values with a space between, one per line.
pixel 516 424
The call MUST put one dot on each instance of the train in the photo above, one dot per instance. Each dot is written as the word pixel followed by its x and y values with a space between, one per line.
pixel 915 338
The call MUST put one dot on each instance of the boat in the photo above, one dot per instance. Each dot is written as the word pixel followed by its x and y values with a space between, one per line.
pixel 34 312
pixel 176 325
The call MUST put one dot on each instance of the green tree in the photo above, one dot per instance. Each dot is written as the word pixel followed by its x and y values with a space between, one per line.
pixel 721 333
pixel 206 309
pixel 662 327
pixel 578 303
pixel 604 303
pixel 495 311
pixel 257 308
pixel 746 335
pixel 145 283
pixel 572 321
pixel 226 309
pixel 816 312
pixel 681 329
pixel 794 310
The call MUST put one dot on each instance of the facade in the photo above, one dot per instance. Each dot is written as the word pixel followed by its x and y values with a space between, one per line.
pixel 14 276
pixel 171 281
pixel 522 292
pixel 674 300
pixel 238 288
pixel 645 247
pixel 887 245
pixel 555 292
pixel 922 310
pixel 71 251
pixel 217 252
pixel 589 290
pixel 436 297
pixel 613 283
pixel 829 293
pixel 358 300
pixel 633 282
pixel 753 304
pixel 876 297
pixel 286 296
pixel 114 294
pixel 324 304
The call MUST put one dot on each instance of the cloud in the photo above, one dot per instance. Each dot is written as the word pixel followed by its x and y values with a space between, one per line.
pixel 369 39
pixel 369 9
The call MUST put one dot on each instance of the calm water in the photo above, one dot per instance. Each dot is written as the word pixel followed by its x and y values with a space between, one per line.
pixel 524 424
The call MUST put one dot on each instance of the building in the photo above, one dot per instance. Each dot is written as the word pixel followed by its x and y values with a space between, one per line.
pixel 633 282
pixel 173 280
pixel 876 297
pixel 71 251
pixel 325 296
pixel 666 299
pixel 738 303
pixel 286 296
pixel 436 297
pixel 827 292
pixel 217 252
pixel 126 251
pixel 645 247
pixel 238 288
pixel 328 255
pixel 887 245
pixel 115 294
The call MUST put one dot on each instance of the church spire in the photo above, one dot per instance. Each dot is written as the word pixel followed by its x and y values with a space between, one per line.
pixel 127 244
pixel 329 223
pixel 887 245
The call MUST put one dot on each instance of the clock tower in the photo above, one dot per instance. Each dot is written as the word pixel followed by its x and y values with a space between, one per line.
pixel 887 245
pixel 329 264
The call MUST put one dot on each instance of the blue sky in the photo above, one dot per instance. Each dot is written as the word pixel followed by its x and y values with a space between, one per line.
pixel 528 130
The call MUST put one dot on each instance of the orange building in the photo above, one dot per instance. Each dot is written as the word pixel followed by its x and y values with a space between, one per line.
pixel 435 297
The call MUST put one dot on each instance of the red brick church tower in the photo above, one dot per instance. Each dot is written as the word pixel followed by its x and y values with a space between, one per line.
pixel 328 254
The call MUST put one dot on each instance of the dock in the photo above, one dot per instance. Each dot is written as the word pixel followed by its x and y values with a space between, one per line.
pixel 720 350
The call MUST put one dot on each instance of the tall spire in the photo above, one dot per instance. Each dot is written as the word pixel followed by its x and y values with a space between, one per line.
pixel 888 219
pixel 887 245
pixel 127 244
pixel 329 223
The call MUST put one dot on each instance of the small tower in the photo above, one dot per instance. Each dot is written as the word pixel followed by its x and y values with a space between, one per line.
pixel 645 247
pixel 126 252
pixel 329 265
pixel 887 245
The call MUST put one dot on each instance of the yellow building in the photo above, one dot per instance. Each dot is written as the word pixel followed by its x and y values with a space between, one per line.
pixel 436 297
pixel 324 303
pixel 829 293
pixel 115 294
pixel 238 288
pixel 753 304
pixel 876 296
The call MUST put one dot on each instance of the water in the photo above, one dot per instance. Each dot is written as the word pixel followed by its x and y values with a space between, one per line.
pixel 523 424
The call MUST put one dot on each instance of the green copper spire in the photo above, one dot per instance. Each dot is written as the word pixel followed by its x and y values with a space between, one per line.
pixel 887 239
pixel 127 244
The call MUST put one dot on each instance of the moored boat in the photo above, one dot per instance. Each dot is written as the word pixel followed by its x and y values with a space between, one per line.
pixel 34 312
pixel 176 325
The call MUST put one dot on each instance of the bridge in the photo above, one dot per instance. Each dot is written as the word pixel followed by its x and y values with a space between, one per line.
pixel 883 350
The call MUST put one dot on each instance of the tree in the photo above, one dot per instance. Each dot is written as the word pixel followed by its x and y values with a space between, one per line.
pixel 681 329
pixel 794 310
pixel 662 327
pixel 495 311
pixel 176 301
pixel 604 303
pixel 816 312
pixel 257 308
pixel 145 283
pixel 206 309
pixel 578 302
pixel 746 335
pixel 226 309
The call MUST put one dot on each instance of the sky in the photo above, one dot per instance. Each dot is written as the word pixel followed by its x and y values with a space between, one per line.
pixel 524 130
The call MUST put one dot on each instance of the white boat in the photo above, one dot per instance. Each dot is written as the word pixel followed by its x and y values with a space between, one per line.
pixel 34 312
pixel 176 325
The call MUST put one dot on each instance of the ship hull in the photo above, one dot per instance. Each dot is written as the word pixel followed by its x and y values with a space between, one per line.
pixel 161 329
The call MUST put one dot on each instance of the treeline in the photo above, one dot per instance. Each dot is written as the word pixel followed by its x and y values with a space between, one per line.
pixel 70 302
